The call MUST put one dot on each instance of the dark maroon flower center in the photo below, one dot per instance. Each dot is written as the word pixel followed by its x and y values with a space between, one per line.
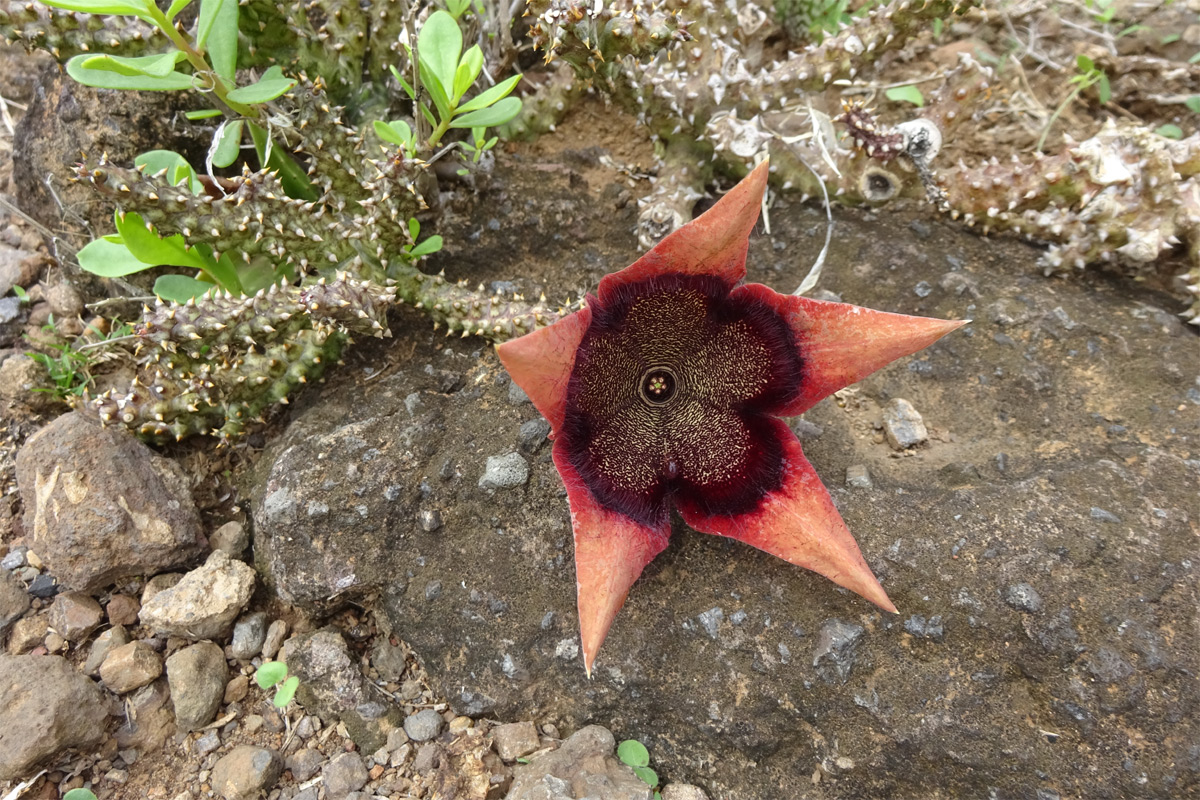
pixel 671 395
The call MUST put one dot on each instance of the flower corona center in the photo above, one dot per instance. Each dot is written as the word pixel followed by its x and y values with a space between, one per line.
pixel 658 385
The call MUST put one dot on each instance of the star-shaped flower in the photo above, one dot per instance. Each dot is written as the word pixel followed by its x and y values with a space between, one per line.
pixel 667 389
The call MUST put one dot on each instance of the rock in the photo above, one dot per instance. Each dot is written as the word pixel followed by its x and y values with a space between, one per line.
pixel 237 689
pixel 683 791
pixel 333 686
pixel 46 707
pixel 505 472
pixel 130 666
pixel 246 772
pixel 837 644
pixel 197 676
pixel 858 477
pixel 345 774
pixel 276 633
pixel 1023 597
pixel 101 506
pixel 75 615
pixel 903 425
pixel 423 725
pixel 27 633
pixel 102 645
pixel 158 584
pixel 533 435
pixel 429 520
pixel 123 609
pixel 204 603
pixel 14 601
pixel 150 719
pixel 21 377
pixel 304 763
pixel 429 755
pixel 515 739
pixel 64 300
pixel 207 742
pixel 43 586
pixel 232 538
pixel 248 635
pixel 584 765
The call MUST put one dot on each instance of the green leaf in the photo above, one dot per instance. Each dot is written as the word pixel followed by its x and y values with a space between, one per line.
pixel 101 7
pixel 468 70
pixel 207 113
pixel 458 7
pixel 408 90
pixel 906 94
pixel 1170 38
pixel 286 692
pixel 158 66
pixel 414 228
pixel 633 753
pixel 226 144
pixel 1193 103
pixel 1084 63
pixel 176 7
pixel 439 46
pixel 291 175
pixel 1194 58
pixel 437 92
pixel 430 245
pixel 1103 89
pixel 261 273
pixel 180 288
pixel 497 114
pixel 397 132
pixel 270 673
pixel 487 98
pixel 177 167
pixel 1169 131
pixel 216 33
pixel 105 79
pixel 79 794
pixel 648 776
pixel 147 246
pixel 268 87
pixel 108 257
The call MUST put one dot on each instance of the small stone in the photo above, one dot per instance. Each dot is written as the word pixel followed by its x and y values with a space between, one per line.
pixel 43 586
pixel 304 763
pixel 197 676
pixel 711 621
pixel 683 791
pixel 505 472
pixel 64 300
pixel 1104 516
pixel 428 756
pixel 231 538
pixel 343 775
pixel 204 603
pixel 246 772
pixel 400 756
pixel 102 645
pixel 14 559
pixel 923 628
pixel 237 689
pixel 1023 597
pixel 123 609
pixel 834 655
pixel 903 425
pixel 248 635
pixel 34 560
pixel 307 726
pixel 54 643
pixel 423 725
pixel 922 289
pixel 130 667
pixel 276 633
pixel 533 435
pixel 396 739
pixel 516 395
pixel 207 743
pixel 27 634
pixel 459 724
pixel 252 724
pixel 805 430
pixel 14 601
pixel 429 520
pixel 74 615
pixel 515 739
pixel 159 583
pixel 857 477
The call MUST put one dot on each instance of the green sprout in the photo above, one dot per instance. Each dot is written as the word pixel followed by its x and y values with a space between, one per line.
pixel 634 754
pixel 70 367
pixel 275 674
pixel 906 94
pixel 1088 75
pixel 79 794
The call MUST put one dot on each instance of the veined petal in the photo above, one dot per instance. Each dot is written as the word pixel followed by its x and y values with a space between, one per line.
pixel 841 344
pixel 611 551
pixel 541 362
pixel 798 523
pixel 714 243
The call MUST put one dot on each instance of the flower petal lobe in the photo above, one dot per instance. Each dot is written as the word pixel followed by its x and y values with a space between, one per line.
pixel 541 362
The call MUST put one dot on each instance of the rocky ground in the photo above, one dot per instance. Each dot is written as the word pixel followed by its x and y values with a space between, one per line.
pixel 1025 490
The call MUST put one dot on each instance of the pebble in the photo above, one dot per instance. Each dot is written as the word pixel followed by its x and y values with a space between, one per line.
pixel 123 609
pixel 429 520
pixel 683 791
pixel 102 645
pixel 427 758
pixel 15 559
pixel 74 615
pixel 504 472
pixel 515 739
pixel 423 725
pixel 246 772
pixel 533 435
pixel 1023 597
pixel 27 634
pixel 345 774
pixel 304 763
pixel 923 289
pixel 276 633
pixel 54 642
pixel 248 635
pixel 835 653
pixel 919 626
pixel 231 538
pixel 204 604
pixel 307 726
pixel 516 395
pixel 207 743
pixel 43 586
pixel 1103 515
pixel 400 755
pixel 858 477
pixel 711 621
pixel 197 676
pixel 130 666
pixel 903 425
pixel 14 601
pixel 237 689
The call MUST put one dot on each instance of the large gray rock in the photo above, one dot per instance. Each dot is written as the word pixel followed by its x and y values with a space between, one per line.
pixel 46 707
pixel 204 603
pixel 1042 421
pixel 101 506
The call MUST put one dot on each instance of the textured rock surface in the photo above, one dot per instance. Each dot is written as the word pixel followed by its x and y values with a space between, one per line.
pixel 246 772
pixel 100 505
pixel 46 706
pixel 1061 397
pixel 583 766
pixel 197 676
pixel 14 601
pixel 204 603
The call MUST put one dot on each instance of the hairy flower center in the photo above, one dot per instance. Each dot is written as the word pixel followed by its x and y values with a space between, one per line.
pixel 658 385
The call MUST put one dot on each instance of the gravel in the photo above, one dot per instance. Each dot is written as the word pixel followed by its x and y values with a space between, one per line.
pixel 505 472
pixel 423 725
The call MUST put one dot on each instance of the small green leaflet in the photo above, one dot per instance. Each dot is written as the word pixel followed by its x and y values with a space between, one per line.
pixel 270 673
pixel 497 114
pixel 108 257
pixel 492 95
pixel 271 85
pixel 430 245
pixel 906 94
pixel 226 144
pixel 147 246
pixel 177 167
pixel 159 66
pixel 1170 131
pixel 102 7
pixel 180 288
pixel 439 46
pixel 106 79
pixel 397 132
pixel 633 753
pixel 286 692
